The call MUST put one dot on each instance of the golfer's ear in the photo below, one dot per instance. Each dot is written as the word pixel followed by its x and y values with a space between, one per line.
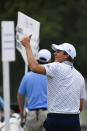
pixel 67 56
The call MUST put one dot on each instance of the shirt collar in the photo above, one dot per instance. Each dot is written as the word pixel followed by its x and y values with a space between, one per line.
pixel 68 63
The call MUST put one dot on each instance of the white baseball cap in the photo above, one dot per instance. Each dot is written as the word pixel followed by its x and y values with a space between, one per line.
pixel 44 55
pixel 70 49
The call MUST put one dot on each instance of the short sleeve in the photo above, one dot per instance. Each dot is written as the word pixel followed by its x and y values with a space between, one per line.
pixel 83 91
pixel 51 68
pixel 22 89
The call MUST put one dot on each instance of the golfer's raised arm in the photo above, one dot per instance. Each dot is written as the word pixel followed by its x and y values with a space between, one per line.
pixel 33 64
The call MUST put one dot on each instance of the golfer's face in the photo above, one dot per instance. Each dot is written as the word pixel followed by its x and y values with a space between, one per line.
pixel 59 56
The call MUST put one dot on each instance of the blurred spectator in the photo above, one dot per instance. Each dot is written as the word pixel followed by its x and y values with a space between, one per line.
pixel 34 86
pixel 1 108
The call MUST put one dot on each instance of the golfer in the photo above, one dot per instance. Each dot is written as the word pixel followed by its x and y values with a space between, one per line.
pixel 65 87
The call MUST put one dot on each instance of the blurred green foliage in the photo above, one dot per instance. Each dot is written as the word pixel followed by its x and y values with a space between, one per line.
pixel 61 21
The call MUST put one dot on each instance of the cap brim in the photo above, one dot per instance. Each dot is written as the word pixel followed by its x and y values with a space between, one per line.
pixel 57 47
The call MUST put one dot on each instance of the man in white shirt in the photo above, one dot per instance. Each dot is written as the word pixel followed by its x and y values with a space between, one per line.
pixel 65 87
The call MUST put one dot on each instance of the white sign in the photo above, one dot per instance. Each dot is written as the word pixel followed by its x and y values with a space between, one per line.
pixel 25 27
pixel 8 43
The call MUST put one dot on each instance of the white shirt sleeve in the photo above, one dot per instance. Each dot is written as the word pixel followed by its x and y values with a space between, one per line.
pixel 83 91
pixel 51 68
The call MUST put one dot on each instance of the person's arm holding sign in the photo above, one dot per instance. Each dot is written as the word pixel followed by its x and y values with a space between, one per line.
pixel 33 64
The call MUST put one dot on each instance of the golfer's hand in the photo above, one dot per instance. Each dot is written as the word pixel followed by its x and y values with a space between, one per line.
pixel 26 41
